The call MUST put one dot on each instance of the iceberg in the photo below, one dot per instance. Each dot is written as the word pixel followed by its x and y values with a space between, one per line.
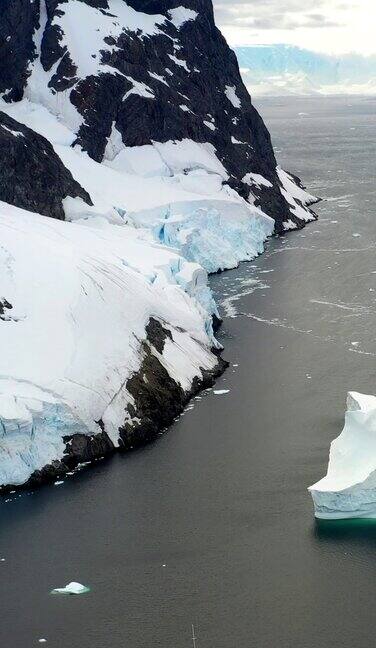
pixel 71 588
pixel 349 488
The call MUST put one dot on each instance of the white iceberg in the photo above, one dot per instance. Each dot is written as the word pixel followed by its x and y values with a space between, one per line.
pixel 349 488
pixel 71 588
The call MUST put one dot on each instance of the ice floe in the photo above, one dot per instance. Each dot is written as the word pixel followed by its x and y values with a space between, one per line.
pixel 71 588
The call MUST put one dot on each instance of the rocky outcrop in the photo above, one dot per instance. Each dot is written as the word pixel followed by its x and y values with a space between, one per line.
pixel 32 176
pixel 158 399
pixel 5 306
pixel 19 21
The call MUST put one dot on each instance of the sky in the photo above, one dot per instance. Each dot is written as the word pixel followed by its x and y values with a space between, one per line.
pixel 332 26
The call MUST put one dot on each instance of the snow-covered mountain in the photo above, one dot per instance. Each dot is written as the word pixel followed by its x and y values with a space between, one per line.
pixel 290 70
pixel 132 162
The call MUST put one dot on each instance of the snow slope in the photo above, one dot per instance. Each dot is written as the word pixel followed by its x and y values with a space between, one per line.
pixel 349 488
pixel 81 297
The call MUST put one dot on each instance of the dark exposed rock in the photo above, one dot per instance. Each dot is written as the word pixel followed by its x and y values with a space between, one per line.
pixel 32 176
pixel 4 306
pixel 217 321
pixel 158 401
pixel 18 21
pixel 79 449
pixel 156 334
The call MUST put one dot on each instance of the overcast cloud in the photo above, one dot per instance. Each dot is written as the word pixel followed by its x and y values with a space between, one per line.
pixel 325 25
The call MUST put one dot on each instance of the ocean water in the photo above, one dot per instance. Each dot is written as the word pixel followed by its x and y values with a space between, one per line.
pixel 212 525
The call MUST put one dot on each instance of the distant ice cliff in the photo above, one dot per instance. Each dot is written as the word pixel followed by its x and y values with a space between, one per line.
pixel 289 70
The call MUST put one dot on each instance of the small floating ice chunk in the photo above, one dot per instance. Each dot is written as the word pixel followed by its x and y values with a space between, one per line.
pixel 71 588
pixel 356 235
pixel 58 483
pixel 219 392
pixel 42 640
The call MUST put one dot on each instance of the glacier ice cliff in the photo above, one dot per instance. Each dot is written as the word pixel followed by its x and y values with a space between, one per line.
pixel 349 488
pixel 86 307
pixel 281 69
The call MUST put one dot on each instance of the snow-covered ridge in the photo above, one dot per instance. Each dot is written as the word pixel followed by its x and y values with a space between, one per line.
pixel 349 488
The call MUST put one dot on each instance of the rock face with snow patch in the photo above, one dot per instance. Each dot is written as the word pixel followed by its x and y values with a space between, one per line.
pixel 32 176
pixel 130 73
pixel 19 22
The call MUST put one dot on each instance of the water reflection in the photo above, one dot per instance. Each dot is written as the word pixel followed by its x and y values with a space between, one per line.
pixel 361 531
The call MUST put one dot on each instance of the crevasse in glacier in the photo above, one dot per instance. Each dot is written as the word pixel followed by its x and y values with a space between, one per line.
pixel 349 488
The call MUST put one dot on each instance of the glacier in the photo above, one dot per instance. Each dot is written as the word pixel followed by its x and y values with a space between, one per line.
pixel 167 172
pixel 349 488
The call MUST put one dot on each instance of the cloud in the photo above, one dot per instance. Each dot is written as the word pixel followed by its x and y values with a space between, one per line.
pixel 325 25
pixel 280 21
pixel 275 14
